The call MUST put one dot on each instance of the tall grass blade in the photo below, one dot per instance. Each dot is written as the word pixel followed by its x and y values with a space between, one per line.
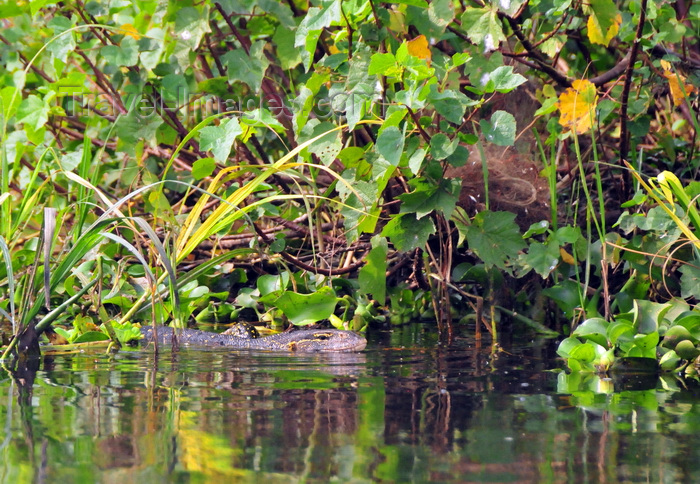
pixel 10 281
pixel 48 233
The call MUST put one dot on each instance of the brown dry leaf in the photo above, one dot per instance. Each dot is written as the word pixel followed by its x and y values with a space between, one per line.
pixel 419 47
pixel 577 106
pixel 674 82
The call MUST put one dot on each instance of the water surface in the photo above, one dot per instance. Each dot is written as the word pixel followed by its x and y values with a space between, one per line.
pixel 404 410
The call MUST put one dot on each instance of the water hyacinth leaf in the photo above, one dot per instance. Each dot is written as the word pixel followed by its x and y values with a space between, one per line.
pixel 593 329
pixel 495 237
pixel 305 309
pixel 648 314
pixel 500 129
pixel 372 276
pixel 620 331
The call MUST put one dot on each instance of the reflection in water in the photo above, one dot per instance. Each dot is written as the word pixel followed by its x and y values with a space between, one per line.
pixel 404 410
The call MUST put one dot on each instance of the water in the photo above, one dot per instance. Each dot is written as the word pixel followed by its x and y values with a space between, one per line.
pixel 404 410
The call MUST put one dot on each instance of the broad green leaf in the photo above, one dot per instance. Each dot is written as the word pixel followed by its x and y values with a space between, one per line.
pixel 648 314
pixel 690 280
pixel 132 128
pixel 10 98
pixel 288 54
pixel 61 46
pixel 495 237
pixel 503 79
pixel 407 232
pixel 33 112
pixel 309 29
pixel 91 337
pixel 543 258
pixel 372 276
pixel 383 65
pixel 305 309
pixel 124 54
pixel 483 27
pixel 500 129
pixel 593 329
pixel 219 139
pixel 450 104
pixel 426 199
pixel 203 168
pixel 441 146
pixel 249 69
pixel 390 145
pixel 191 25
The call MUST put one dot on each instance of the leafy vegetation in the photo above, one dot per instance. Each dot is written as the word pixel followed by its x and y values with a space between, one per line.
pixel 357 162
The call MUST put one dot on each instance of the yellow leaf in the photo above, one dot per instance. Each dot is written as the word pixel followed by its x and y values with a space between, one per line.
pixel 674 82
pixel 577 106
pixel 130 30
pixel 595 30
pixel 419 47
pixel 566 257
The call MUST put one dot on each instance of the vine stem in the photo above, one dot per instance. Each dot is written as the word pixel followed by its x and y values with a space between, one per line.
pixel 624 141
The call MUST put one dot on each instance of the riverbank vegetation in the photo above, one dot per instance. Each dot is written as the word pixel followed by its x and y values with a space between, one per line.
pixel 519 166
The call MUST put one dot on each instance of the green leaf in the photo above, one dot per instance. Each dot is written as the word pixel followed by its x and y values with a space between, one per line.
pixel 124 54
pixel 390 145
pixel 10 98
pixel 407 232
pixel 132 128
pixel 483 27
pixel 219 139
pixel 450 104
pixel 495 237
pixel 690 280
pixel 503 79
pixel 287 53
pixel 543 258
pixel 203 168
pixel 90 337
pixel 594 329
pixel 309 29
pixel 441 146
pixel 372 276
pixel 383 65
pixel 249 69
pixel 647 315
pixel 33 112
pixel 426 199
pixel 191 25
pixel 61 46
pixel 305 309
pixel 500 130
